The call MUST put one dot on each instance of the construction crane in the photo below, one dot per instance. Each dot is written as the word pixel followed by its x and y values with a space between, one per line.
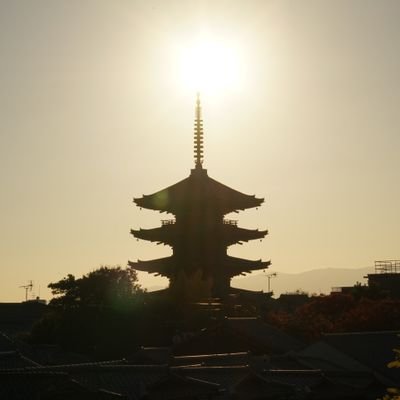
pixel 27 288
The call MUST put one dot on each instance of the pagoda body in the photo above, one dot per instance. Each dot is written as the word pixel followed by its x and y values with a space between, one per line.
pixel 199 234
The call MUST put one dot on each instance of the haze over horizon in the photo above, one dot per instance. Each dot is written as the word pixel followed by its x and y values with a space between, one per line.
pixel 94 113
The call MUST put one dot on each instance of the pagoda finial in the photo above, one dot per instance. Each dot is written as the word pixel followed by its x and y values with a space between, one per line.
pixel 198 135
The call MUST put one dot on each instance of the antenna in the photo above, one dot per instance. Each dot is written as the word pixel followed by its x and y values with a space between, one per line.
pixel 27 288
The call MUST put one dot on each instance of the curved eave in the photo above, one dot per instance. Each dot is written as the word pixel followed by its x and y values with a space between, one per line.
pixel 198 189
pixel 169 235
pixel 238 266
pixel 163 234
pixel 232 266
pixel 151 202
pixel 235 234
pixel 160 266
pixel 159 201
pixel 250 202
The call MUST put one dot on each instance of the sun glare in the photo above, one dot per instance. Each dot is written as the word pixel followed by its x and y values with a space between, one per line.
pixel 210 66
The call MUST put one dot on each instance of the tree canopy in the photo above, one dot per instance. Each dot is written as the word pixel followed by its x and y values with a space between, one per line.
pixel 337 313
pixel 106 286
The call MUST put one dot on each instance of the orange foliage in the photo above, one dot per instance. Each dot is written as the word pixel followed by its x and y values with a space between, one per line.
pixel 337 313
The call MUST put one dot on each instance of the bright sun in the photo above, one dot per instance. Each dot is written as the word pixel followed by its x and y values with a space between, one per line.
pixel 210 65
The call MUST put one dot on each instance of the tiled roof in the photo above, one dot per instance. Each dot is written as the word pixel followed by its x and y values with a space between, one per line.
pixel 356 379
pixel 14 359
pixel 257 330
pixel 321 355
pixel 161 381
pixel 207 374
pixel 239 334
pixel 237 358
pixel 299 378
pixel 333 389
pixel 322 384
pixel 21 385
pixel 288 361
pixel 254 386
pixel 176 386
pixel 165 266
pixel 19 317
pixel 11 356
pixel 372 349
pixel 151 355
pixel 128 380
pixel 6 343
pixel 225 376
pixel 197 189
pixel 51 354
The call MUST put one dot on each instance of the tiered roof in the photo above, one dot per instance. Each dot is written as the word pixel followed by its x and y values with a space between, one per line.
pixel 199 234
pixel 196 191
pixel 168 233
pixel 167 266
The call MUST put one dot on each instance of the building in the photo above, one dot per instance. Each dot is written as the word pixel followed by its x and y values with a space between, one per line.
pixel 20 317
pixel 337 368
pixel 386 277
pixel 199 233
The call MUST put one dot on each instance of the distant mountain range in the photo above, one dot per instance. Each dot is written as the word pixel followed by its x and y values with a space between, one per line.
pixel 314 281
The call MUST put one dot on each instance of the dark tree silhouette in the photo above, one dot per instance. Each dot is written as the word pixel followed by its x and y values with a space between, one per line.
pixel 106 286
pixel 96 314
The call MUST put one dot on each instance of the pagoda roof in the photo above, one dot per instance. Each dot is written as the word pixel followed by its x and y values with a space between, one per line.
pixel 196 191
pixel 170 234
pixel 160 266
pixel 238 266
pixel 166 266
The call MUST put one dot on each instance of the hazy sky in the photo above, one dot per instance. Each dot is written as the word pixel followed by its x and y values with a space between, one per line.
pixel 93 113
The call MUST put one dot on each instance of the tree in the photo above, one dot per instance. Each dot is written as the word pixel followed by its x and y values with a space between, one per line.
pixel 394 393
pixel 337 313
pixel 106 286
pixel 96 314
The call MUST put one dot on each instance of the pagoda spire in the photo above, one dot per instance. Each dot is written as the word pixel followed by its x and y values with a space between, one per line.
pixel 198 135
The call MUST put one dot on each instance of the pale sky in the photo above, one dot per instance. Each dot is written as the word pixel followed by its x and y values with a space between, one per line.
pixel 94 113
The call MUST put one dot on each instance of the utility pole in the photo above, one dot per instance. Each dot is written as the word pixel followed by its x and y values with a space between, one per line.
pixel 269 277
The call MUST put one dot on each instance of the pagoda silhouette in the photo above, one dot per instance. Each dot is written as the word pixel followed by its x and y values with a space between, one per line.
pixel 199 235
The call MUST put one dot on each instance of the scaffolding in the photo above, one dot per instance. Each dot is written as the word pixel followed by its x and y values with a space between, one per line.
pixel 387 267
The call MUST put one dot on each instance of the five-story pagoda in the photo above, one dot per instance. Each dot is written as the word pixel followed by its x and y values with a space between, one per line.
pixel 199 234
